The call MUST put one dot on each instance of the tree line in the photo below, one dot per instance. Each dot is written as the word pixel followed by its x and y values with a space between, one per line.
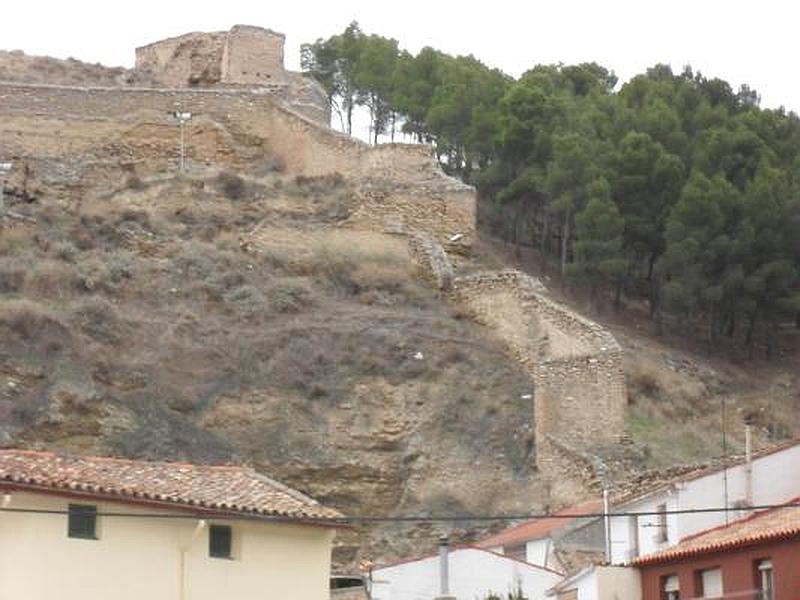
pixel 673 189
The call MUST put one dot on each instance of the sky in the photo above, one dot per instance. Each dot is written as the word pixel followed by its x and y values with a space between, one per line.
pixel 741 42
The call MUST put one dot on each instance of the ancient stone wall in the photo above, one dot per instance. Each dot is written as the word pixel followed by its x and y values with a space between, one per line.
pixel 576 365
pixel 244 57
pixel 431 261
pixel 252 55
pixel 194 59
pixel 75 131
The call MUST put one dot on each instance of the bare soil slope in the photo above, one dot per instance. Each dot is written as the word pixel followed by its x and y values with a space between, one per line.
pixel 220 319
pixel 20 67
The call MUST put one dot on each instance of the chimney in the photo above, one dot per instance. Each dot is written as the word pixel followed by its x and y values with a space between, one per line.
pixel 748 465
pixel 444 569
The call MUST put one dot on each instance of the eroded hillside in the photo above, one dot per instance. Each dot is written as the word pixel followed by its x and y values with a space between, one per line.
pixel 215 318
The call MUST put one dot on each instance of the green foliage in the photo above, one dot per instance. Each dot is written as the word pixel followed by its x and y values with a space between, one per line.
pixel 674 188
pixel 598 250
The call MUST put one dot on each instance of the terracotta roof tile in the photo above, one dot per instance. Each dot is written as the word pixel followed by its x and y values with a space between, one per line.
pixel 228 489
pixel 765 526
pixel 538 528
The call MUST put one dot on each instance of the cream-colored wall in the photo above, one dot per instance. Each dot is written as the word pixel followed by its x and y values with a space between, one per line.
pixel 141 558
pixel 619 583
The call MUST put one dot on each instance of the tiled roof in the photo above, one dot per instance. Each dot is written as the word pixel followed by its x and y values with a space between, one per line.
pixel 538 528
pixel 765 526
pixel 454 549
pixel 224 489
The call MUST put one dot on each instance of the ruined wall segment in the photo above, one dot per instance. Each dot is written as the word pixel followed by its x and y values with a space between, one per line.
pixel 193 59
pixel 252 55
pixel 576 365
pixel 399 188
pixel 244 57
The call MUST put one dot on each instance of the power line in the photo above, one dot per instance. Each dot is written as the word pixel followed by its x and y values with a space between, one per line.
pixel 211 513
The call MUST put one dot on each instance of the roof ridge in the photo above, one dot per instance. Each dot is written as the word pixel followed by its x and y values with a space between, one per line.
pixel 297 495
pixel 752 516
pixel 125 459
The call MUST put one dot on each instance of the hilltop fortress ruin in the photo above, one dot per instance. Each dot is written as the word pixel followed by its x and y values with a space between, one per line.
pixel 70 141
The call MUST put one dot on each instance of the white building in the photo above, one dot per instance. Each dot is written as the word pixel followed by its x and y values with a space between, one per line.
pixel 771 477
pixel 600 582
pixel 88 528
pixel 557 542
pixel 473 574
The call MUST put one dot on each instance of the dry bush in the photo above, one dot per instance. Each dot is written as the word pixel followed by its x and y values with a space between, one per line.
pixel 65 250
pixel 336 206
pixel 231 185
pixel 30 321
pixel 54 280
pixel 15 241
pixel 307 186
pixel 12 279
pixel 289 295
pixel 100 320
pixel 95 276
pixel 247 300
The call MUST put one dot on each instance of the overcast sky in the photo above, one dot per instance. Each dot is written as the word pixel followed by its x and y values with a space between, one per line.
pixel 752 42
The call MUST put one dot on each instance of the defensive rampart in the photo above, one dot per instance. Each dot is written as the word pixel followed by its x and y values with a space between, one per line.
pixel 74 138
pixel 576 365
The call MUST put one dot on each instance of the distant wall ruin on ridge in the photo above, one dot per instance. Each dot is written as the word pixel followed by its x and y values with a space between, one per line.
pixel 245 56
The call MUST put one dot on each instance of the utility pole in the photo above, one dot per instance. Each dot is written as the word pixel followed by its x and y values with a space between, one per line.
pixel 183 118
pixel 5 169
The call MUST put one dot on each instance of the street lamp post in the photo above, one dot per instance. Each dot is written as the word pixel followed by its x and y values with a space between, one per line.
pixel 183 118
pixel 5 169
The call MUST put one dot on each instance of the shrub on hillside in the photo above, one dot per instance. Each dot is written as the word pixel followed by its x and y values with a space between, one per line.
pixel 30 321
pixel 100 320
pixel 289 296
pixel 231 185
pixel 11 279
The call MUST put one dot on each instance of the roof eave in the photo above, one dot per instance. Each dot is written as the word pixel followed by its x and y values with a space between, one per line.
pixel 197 510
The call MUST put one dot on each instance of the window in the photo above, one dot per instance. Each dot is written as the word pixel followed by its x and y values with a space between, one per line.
pixel 220 539
pixel 82 521
pixel 710 583
pixel 764 579
pixel 670 588
pixel 661 523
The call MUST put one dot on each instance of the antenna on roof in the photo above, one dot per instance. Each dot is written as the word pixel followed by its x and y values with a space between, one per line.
pixel 725 460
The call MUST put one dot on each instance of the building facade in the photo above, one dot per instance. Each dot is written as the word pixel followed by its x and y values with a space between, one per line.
pixel 563 542
pixel 95 528
pixel 472 574
pixel 771 477
pixel 600 582
pixel 755 558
